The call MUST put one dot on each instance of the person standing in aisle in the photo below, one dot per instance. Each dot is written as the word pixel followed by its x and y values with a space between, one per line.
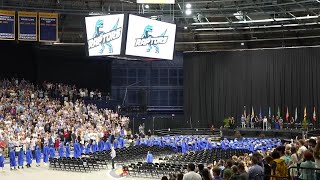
pixel 1 160
pixel 38 156
pixel 12 156
pixel 113 155
pixel 29 157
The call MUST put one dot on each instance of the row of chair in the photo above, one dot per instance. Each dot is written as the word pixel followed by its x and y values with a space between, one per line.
pixel 77 164
pixel 153 170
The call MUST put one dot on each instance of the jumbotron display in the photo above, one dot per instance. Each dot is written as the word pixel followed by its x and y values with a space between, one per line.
pixel 104 34
pixel 150 38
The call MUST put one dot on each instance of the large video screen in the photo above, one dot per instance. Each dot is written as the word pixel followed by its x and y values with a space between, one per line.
pixel 104 34
pixel 150 38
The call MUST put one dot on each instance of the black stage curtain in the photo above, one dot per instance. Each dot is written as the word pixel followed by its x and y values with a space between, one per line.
pixel 220 84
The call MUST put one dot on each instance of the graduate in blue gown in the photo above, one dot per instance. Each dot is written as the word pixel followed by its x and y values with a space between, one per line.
pixel 20 158
pixel 100 145
pixel 94 147
pixel 115 144
pixel 1 160
pixel 76 149
pixel 88 149
pixel 184 147
pixel 107 146
pixel 52 152
pixel 149 157
pixel 29 157
pixel 38 156
pixel 67 150
pixel 121 142
pixel 137 141
pixel 81 149
pixel 12 156
pixel 61 150
pixel 46 150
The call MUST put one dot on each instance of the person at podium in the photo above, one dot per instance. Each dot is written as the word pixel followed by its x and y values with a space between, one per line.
pixel 243 121
pixel 265 123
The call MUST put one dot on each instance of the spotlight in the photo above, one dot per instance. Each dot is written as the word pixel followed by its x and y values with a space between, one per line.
pixel 188 12
pixel 185 27
pixel 146 6
pixel 188 6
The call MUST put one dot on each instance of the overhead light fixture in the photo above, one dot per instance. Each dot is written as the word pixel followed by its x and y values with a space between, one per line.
pixel 186 27
pixel 188 12
pixel 147 6
pixel 188 6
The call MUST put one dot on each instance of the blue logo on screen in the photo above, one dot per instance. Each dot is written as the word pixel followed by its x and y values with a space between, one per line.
pixel 151 41
pixel 101 38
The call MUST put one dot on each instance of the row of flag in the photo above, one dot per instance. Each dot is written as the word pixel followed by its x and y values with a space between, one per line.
pixel 314 116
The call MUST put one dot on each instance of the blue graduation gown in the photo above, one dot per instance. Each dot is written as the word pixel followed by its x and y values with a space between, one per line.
pixel 94 148
pixel 12 156
pixel 67 151
pixel 38 156
pixel 52 152
pixel 100 146
pixel 61 152
pixel 115 144
pixel 149 158
pixel 107 146
pixel 1 161
pixel 137 142
pixel 29 157
pixel 88 149
pixel 81 147
pixel 46 154
pixel 20 158
pixel 77 150
pixel 121 142
pixel 184 146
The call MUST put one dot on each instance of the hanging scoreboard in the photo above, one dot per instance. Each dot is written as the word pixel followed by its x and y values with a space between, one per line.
pixel 7 25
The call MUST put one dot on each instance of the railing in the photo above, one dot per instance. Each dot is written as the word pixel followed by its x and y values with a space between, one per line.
pixel 316 172
pixel 271 177
pixel 186 131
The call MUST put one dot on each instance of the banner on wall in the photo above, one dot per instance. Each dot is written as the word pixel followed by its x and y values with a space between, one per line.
pixel 27 26
pixel 48 27
pixel 7 25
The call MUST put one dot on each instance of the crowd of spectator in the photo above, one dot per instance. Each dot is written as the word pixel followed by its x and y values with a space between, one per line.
pixel 51 113
pixel 297 160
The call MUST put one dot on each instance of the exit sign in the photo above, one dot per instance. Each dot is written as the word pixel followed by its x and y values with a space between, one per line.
pixel 155 1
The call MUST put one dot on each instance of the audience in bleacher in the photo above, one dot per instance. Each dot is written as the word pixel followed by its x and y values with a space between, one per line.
pixel 32 116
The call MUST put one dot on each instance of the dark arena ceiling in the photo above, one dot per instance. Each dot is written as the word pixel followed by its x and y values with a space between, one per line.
pixel 212 25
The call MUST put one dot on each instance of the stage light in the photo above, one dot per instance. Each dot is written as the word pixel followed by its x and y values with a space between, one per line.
pixel 186 27
pixel 242 44
pixel 147 6
pixel 188 6
pixel 188 12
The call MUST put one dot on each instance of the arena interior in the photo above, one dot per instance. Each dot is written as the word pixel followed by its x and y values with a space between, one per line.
pixel 160 89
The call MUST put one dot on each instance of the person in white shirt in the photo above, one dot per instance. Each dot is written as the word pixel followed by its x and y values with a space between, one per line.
pixel 191 175
pixel 265 123
pixel 113 155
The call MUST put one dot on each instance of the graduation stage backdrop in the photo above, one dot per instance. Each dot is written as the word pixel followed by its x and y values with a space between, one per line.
pixel 220 84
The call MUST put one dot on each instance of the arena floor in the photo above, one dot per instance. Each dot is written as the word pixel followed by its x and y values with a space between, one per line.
pixel 43 173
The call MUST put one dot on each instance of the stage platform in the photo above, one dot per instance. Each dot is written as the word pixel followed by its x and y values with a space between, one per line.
pixel 285 133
